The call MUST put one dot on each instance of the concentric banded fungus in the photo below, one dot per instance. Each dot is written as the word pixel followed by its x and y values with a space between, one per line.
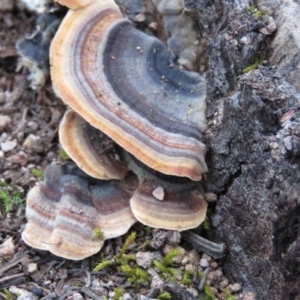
pixel 182 206
pixel 160 200
pixel 65 212
pixel 126 84
pixel 168 202
pixel 88 146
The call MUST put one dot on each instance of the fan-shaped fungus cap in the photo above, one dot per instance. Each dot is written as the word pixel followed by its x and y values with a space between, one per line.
pixel 66 212
pixel 125 83
pixel 158 205
pixel 167 202
pixel 93 151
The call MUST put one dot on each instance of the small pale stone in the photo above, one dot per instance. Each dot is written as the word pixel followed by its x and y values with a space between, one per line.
pixel 204 263
pixel 4 121
pixel 77 296
pixel 140 18
pixel 32 267
pixel 211 197
pixel 286 116
pixel 35 5
pixel 245 40
pixel 30 141
pixel 153 25
pixel 157 283
pixel 33 143
pixel 190 257
pixel 219 273
pixel 207 257
pixel 273 145
pixel 214 265
pixel 7 249
pixel 144 259
pixel 1 154
pixel 32 125
pixel 223 283
pixel 236 287
pixel 211 275
pixel 193 291
pixel 28 296
pixel 190 268
pixel 159 193
pixel 272 27
pixel 22 293
pixel 249 296
pixel 174 238
pixel 8 145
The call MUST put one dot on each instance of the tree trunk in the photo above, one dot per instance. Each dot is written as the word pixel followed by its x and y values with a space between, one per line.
pixel 253 141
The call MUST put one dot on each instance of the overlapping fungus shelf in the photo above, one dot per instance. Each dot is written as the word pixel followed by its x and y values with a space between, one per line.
pixel 65 212
pixel 126 84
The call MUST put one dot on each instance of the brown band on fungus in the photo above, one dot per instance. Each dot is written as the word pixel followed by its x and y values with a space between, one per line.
pixel 126 84
pixel 94 152
pixel 68 227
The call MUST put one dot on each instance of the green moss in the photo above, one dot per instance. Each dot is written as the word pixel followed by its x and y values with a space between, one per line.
pixel 104 264
pixel 129 240
pixel 63 154
pixel 38 173
pixel 187 277
pixel 228 295
pixel 256 12
pixel 121 257
pixel 135 275
pixel 209 293
pixel 118 293
pixel 98 233
pixel 254 66
pixel 9 199
pixel 164 295
pixel 7 294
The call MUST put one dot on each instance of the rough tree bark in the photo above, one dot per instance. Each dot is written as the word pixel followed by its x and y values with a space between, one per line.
pixel 253 142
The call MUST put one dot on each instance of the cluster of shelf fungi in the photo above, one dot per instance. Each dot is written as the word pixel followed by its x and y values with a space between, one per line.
pixel 134 129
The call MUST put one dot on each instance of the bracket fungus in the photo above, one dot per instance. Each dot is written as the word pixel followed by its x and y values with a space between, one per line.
pixel 127 85
pixel 136 121
pixel 69 199
pixel 88 147
pixel 180 205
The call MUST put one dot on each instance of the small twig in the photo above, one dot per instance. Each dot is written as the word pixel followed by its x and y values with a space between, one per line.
pixel 11 277
pixel 87 273
pixel 153 293
pixel 23 259
pixel 203 279
pixel 213 249
pixel 60 264
pixel 40 287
